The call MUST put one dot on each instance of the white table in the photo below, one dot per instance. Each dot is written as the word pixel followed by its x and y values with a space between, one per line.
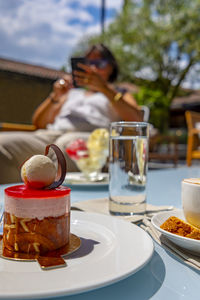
pixel 164 277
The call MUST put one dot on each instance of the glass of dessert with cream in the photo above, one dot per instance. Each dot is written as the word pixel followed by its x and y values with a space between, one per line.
pixel 37 213
pixel 90 155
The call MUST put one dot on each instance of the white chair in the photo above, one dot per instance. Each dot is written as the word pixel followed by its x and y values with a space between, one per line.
pixel 146 112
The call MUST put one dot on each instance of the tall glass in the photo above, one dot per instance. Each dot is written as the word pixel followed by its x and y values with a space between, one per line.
pixel 128 164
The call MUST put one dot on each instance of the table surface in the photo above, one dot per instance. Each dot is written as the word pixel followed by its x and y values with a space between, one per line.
pixel 164 277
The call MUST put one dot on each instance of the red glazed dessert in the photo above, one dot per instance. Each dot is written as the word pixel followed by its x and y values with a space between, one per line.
pixel 77 149
pixel 36 221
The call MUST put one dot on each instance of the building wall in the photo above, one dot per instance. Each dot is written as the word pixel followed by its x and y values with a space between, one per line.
pixel 20 95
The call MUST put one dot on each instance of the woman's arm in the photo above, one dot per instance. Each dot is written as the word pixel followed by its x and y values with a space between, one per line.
pixel 50 107
pixel 124 104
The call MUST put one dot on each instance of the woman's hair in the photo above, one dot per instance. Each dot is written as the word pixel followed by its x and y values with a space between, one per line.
pixel 106 54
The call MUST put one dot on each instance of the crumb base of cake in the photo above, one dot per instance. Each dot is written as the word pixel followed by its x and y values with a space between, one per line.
pixel 73 244
pixel 49 260
pixel 26 235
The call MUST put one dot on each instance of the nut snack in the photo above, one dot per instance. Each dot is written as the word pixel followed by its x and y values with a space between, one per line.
pixel 180 227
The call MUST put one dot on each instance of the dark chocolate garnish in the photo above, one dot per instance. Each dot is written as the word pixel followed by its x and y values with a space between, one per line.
pixel 62 167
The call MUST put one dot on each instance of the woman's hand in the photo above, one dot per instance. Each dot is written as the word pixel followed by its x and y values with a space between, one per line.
pixel 89 78
pixel 62 86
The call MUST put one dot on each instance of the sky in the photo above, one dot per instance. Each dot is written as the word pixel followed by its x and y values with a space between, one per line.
pixel 45 32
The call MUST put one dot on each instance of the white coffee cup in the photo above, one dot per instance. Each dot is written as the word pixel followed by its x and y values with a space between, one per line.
pixel 191 200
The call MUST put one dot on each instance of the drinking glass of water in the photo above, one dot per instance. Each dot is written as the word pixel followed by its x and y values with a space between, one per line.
pixel 128 165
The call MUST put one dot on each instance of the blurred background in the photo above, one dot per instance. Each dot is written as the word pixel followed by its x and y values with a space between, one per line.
pixel 157 45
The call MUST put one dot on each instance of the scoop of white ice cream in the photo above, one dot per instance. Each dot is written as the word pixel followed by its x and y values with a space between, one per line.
pixel 98 140
pixel 38 171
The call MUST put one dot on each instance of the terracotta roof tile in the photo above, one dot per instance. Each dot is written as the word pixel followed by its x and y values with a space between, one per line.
pixel 28 69
pixel 44 72
pixel 193 97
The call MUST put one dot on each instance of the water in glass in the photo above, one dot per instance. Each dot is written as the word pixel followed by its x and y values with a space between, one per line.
pixel 128 173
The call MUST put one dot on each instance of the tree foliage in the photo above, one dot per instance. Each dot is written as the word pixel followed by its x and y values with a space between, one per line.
pixel 156 39
pixel 158 104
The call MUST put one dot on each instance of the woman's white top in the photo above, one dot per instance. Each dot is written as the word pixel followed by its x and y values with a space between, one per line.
pixel 84 112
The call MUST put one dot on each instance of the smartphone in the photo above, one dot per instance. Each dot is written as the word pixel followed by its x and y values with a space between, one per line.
pixel 74 65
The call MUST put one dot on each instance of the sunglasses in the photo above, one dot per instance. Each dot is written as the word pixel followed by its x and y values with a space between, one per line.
pixel 98 63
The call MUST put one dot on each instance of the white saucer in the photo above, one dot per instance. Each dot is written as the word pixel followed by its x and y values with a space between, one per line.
pixel 191 245
pixel 77 178
pixel 111 250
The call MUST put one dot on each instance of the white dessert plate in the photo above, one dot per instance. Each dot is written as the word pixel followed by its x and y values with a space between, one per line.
pixel 77 178
pixel 183 242
pixel 111 250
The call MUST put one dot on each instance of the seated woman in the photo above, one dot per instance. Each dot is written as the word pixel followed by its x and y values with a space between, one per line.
pixel 70 112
